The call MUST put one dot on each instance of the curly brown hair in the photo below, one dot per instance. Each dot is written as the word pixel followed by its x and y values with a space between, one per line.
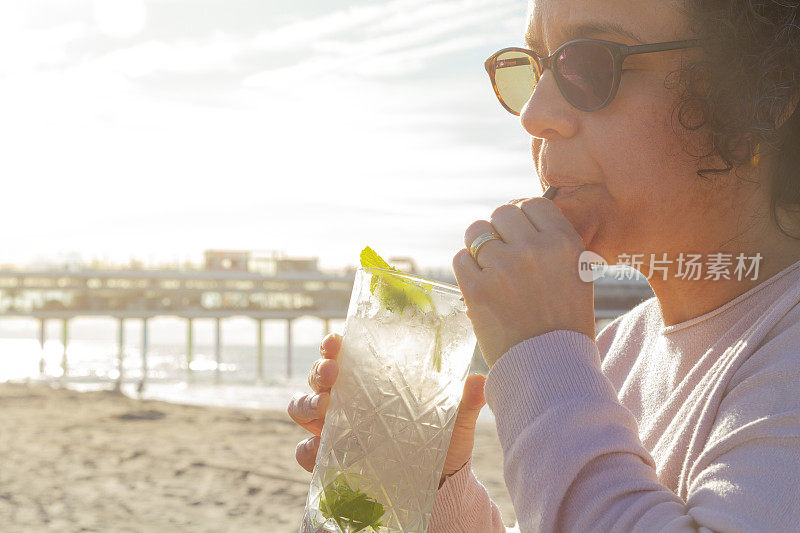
pixel 747 80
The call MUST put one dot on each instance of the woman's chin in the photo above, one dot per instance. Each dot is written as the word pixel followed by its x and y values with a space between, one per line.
pixel 586 225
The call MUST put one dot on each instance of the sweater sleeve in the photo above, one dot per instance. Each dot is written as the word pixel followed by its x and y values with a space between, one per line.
pixel 573 460
pixel 462 504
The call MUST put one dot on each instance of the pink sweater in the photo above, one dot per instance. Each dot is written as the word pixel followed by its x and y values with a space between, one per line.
pixel 691 427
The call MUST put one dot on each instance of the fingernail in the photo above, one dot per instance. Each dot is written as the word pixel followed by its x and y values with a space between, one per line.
pixel 315 402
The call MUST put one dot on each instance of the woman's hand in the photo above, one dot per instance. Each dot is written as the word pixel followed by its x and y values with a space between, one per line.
pixel 308 410
pixel 526 284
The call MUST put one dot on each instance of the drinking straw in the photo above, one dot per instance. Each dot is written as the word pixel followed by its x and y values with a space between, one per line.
pixel 550 193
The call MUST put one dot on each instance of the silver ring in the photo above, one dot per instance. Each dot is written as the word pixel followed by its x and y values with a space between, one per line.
pixel 480 241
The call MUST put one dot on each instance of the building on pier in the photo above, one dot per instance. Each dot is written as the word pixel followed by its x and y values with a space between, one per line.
pixel 231 283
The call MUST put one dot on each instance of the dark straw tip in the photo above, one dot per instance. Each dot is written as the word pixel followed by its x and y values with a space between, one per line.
pixel 550 193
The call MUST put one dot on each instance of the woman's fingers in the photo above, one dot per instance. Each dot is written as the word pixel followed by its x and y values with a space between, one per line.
pixel 545 215
pixel 463 438
pixel 325 369
pixel 475 230
pixel 308 410
pixel 323 374
pixel 512 224
pixel 306 452
pixel 472 402
pixel 330 346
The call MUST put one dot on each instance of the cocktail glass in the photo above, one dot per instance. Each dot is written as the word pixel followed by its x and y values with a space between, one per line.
pixel 406 351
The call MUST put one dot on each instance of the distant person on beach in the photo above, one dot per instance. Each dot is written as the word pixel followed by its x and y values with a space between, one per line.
pixel 680 158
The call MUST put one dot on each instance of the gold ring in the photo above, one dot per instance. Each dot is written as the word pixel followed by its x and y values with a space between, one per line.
pixel 480 241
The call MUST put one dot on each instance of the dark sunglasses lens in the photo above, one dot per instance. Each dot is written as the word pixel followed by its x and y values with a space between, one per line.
pixel 515 77
pixel 586 71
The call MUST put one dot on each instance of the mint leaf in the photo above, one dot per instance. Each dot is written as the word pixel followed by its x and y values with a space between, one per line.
pixel 396 294
pixel 437 348
pixel 351 510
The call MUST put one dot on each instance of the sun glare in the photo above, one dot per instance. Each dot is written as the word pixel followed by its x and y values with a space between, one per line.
pixel 121 19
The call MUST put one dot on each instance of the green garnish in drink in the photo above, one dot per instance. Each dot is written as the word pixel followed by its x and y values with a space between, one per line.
pixel 352 510
pixel 397 294
pixel 437 349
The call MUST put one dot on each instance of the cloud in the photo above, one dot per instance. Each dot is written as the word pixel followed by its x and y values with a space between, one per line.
pixel 194 131
pixel 303 32
pixel 121 19
pixel 404 62
pixel 153 56
pixel 399 44
pixel 26 50
pixel 432 12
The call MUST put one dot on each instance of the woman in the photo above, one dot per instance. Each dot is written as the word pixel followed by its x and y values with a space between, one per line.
pixel 684 413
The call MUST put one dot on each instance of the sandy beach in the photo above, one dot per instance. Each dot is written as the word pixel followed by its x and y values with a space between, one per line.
pixel 100 461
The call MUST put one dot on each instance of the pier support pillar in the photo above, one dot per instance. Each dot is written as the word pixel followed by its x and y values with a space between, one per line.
pixel 120 354
pixel 327 326
pixel 142 383
pixel 189 348
pixel 259 350
pixel 42 338
pixel 64 343
pixel 288 348
pixel 218 350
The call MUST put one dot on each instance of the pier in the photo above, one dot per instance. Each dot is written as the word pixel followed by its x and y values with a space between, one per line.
pixel 227 286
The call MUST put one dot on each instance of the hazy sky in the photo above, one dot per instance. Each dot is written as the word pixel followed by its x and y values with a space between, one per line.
pixel 160 128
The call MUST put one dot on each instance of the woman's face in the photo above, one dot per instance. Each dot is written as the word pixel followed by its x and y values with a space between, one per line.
pixel 641 192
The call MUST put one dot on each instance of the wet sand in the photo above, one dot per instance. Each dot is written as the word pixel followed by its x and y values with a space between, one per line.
pixel 100 461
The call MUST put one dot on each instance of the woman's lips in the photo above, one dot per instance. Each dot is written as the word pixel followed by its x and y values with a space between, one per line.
pixel 565 191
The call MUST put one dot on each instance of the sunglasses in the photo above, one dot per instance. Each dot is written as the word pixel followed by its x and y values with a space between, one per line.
pixel 587 71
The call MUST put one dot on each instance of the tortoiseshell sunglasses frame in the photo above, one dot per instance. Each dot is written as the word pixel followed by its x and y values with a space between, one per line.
pixel 618 52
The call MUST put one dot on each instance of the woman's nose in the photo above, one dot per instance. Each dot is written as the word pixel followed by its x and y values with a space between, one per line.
pixel 547 114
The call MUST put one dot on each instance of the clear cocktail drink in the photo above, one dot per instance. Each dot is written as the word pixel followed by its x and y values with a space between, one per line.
pixel 406 351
